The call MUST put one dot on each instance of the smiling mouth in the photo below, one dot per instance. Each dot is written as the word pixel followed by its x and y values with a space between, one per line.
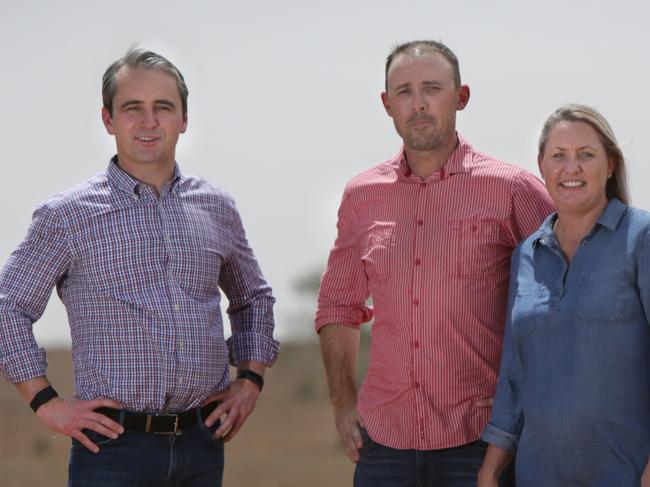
pixel 572 184
pixel 147 139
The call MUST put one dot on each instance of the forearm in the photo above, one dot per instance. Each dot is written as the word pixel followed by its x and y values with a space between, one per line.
pixel 495 461
pixel 340 349
pixel 256 367
pixel 28 389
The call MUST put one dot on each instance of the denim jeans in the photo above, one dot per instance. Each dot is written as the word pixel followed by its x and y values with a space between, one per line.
pixel 137 459
pixel 381 466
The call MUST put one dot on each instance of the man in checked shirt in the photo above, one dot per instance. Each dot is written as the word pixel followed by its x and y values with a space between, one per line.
pixel 428 234
pixel 138 254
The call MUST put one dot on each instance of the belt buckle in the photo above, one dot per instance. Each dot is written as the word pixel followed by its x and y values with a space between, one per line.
pixel 147 428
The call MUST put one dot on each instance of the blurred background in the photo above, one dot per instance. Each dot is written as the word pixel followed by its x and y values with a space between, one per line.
pixel 284 108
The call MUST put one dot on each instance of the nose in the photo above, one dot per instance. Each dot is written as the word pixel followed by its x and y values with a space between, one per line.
pixel 573 165
pixel 419 102
pixel 149 118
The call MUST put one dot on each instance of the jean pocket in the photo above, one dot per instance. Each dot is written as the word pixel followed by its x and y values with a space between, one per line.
pixel 376 249
pixel 97 438
pixel 365 438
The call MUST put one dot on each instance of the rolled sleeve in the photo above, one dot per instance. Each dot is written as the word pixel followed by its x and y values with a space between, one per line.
pixel 251 302
pixel 501 438
pixel 344 285
pixel 26 283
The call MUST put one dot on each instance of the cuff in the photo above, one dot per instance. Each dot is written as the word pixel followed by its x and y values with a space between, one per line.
pixel 252 346
pixel 350 316
pixel 24 365
pixel 501 438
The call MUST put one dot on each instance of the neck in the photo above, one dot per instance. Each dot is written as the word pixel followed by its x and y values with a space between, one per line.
pixel 571 228
pixel 155 175
pixel 425 162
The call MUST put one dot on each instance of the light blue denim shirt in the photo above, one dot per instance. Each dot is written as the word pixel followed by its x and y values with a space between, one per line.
pixel 574 387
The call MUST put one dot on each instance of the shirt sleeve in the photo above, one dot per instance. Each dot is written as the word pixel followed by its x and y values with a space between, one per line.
pixel 26 282
pixel 530 205
pixel 507 416
pixel 251 302
pixel 344 285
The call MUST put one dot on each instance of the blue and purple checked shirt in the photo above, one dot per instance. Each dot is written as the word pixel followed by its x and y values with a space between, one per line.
pixel 140 277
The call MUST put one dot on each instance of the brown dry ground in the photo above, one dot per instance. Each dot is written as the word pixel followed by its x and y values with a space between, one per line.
pixel 289 441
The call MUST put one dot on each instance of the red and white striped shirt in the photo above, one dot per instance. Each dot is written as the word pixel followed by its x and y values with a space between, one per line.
pixel 434 255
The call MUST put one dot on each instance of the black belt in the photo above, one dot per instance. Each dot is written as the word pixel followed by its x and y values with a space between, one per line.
pixel 159 423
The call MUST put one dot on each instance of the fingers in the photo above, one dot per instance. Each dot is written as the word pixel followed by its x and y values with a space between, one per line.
pixel 485 402
pixel 85 441
pixel 353 442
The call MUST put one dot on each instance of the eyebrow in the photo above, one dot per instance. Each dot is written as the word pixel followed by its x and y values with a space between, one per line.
pixel 424 83
pixel 163 101
pixel 557 147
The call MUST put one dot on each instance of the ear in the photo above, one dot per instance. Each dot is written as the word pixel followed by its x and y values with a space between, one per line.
pixel 611 167
pixel 463 97
pixel 386 103
pixel 184 126
pixel 108 121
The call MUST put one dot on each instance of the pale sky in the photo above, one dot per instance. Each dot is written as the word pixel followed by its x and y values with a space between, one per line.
pixel 284 101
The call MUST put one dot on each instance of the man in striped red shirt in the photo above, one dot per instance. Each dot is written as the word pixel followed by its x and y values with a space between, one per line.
pixel 428 235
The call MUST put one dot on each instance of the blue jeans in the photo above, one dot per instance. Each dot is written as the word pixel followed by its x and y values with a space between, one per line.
pixel 137 459
pixel 381 466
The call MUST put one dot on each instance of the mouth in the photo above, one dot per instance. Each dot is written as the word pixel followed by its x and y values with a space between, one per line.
pixel 147 139
pixel 572 184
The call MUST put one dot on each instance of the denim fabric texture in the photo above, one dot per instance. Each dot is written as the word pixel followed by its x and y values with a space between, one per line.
pixel 382 466
pixel 574 388
pixel 136 459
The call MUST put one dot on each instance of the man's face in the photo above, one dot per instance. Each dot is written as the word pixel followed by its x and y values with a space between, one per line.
pixel 147 117
pixel 422 99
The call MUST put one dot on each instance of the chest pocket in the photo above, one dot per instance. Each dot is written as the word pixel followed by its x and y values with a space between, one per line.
pixel 376 250
pixel 480 250
pixel 603 297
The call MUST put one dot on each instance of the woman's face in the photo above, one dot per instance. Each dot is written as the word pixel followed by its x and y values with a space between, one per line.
pixel 575 168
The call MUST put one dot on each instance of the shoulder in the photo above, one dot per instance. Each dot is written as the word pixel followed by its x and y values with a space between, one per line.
pixel 371 180
pixel 198 188
pixel 83 195
pixel 486 165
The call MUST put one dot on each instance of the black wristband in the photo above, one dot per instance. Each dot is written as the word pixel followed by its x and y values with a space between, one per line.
pixel 251 376
pixel 43 396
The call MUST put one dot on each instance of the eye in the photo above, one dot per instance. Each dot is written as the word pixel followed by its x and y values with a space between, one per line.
pixel 558 156
pixel 430 90
pixel 166 108
pixel 586 155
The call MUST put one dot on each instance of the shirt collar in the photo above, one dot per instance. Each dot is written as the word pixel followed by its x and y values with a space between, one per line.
pixel 459 161
pixel 124 181
pixel 609 218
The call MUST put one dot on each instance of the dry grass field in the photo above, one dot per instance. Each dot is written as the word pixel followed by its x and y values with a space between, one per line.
pixel 289 441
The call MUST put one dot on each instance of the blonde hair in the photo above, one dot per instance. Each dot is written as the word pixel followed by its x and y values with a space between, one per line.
pixel 616 185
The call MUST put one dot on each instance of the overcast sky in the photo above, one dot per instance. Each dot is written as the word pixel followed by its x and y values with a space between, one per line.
pixel 284 101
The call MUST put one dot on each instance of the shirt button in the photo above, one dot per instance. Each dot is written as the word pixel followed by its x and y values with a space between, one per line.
pixel 420 222
pixel 416 302
pixel 423 184
pixel 167 238
pixel 417 385
pixel 181 344
pixel 416 344
pixel 180 381
pixel 177 307
pixel 418 261
pixel 135 197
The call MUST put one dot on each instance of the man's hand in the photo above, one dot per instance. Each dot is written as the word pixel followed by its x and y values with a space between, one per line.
pixel 348 424
pixel 237 403
pixel 485 402
pixel 71 416
pixel 645 478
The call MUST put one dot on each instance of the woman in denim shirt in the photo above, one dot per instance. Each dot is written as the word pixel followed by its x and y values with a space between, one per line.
pixel 574 388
